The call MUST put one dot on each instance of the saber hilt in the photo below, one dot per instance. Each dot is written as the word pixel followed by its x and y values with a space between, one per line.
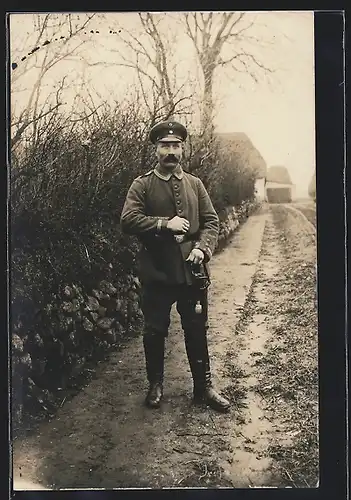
pixel 201 281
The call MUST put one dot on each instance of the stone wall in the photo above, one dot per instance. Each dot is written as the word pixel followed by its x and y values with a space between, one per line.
pixel 84 325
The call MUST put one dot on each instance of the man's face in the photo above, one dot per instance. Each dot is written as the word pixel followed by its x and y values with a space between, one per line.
pixel 169 153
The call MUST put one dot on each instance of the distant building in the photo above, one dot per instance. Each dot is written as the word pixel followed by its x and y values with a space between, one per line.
pixel 260 191
pixel 278 186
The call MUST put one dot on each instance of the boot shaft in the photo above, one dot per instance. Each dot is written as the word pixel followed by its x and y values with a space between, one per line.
pixel 199 362
pixel 154 349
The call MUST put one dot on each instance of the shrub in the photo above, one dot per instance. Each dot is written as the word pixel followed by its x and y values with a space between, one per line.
pixel 227 177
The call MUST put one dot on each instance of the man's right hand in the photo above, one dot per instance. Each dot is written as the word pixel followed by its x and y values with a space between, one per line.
pixel 178 225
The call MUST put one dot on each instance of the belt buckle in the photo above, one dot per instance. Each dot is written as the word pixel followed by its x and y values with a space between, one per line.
pixel 179 238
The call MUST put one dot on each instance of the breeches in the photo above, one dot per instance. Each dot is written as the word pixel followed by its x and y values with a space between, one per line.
pixel 156 304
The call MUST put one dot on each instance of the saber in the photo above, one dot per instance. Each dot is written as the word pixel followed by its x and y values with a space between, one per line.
pixel 201 281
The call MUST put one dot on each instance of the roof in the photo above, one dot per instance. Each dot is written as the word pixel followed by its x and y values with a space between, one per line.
pixel 278 174
pixel 240 143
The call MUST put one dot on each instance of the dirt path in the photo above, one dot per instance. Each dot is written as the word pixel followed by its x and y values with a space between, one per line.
pixel 308 209
pixel 106 438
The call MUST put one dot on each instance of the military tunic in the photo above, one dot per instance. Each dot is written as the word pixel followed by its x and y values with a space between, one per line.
pixel 152 200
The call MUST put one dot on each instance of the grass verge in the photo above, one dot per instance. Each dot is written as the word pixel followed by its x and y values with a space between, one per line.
pixel 289 367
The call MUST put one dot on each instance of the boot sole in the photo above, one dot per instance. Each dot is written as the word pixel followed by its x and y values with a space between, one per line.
pixel 204 403
pixel 153 405
pixel 220 409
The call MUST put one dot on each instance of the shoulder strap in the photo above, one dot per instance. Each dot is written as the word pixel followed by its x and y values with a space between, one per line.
pixel 189 173
pixel 146 174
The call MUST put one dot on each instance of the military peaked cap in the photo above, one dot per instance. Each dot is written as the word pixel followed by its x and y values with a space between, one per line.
pixel 168 131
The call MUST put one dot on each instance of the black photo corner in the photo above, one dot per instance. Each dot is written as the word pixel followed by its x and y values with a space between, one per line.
pixel 331 254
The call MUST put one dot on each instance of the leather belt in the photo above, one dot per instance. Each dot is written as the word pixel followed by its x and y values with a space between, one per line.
pixel 184 238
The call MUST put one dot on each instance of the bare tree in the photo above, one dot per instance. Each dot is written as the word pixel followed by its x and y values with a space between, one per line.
pixel 55 38
pixel 160 61
pixel 147 50
pixel 213 34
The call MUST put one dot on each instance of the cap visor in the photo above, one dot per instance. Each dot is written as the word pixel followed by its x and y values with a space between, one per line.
pixel 170 138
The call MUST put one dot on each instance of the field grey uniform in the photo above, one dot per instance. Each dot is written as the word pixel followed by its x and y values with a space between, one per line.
pixel 152 200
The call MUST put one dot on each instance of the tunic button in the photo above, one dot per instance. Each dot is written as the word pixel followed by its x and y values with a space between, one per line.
pixel 178 202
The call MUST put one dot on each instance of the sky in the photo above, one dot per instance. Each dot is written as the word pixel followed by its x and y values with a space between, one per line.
pixel 279 119
pixel 277 113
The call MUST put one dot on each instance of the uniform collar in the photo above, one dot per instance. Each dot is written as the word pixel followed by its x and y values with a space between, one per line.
pixel 178 172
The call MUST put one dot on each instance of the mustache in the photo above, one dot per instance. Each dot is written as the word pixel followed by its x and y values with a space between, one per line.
pixel 171 157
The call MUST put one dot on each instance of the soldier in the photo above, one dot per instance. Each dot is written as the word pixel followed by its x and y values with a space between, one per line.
pixel 172 214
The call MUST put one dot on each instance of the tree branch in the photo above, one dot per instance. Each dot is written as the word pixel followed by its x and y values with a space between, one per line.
pixel 86 116
pixel 193 36
pixel 141 50
pixel 234 23
pixel 20 131
pixel 225 20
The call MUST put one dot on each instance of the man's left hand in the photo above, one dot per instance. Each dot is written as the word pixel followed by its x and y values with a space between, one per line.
pixel 196 256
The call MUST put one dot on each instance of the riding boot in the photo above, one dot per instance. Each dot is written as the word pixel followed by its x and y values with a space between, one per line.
pixel 154 347
pixel 204 393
